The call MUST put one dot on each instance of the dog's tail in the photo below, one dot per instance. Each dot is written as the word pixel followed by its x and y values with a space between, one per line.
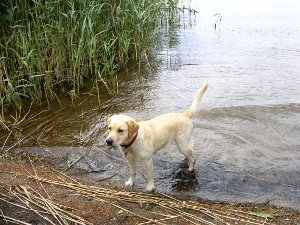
pixel 194 109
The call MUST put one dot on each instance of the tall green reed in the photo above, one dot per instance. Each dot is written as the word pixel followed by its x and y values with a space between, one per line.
pixel 51 46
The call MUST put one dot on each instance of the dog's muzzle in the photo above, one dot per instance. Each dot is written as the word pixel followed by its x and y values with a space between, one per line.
pixel 109 142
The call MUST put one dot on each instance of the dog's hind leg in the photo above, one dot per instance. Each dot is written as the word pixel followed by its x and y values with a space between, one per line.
pixel 190 156
pixel 184 145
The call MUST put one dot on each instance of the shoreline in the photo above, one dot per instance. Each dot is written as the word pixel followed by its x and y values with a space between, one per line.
pixel 114 205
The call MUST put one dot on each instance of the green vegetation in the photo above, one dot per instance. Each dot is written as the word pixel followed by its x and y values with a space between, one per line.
pixel 50 46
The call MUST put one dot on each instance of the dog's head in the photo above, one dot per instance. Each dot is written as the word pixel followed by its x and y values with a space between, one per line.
pixel 120 130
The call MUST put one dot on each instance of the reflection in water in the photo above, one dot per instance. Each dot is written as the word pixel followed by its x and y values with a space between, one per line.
pixel 183 180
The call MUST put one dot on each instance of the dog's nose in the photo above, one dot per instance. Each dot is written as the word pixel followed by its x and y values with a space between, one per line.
pixel 109 141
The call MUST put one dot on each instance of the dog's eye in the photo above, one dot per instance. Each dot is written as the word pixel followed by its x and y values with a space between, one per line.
pixel 109 128
pixel 120 130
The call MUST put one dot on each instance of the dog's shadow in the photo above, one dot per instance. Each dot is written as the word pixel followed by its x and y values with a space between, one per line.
pixel 184 180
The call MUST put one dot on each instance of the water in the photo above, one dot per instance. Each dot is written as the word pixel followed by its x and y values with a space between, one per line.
pixel 247 141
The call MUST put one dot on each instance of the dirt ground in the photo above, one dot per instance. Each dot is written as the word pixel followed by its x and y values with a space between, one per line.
pixel 35 193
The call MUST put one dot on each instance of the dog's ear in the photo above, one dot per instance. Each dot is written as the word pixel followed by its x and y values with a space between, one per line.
pixel 132 127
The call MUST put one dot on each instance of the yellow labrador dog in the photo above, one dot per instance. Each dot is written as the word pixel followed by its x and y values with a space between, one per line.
pixel 140 140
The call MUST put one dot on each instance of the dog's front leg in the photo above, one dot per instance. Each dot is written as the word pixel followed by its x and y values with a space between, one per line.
pixel 132 170
pixel 150 174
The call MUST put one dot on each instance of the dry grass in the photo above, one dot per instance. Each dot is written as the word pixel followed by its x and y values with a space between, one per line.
pixel 166 209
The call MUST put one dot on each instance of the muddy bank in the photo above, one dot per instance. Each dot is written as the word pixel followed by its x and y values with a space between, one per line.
pixel 98 209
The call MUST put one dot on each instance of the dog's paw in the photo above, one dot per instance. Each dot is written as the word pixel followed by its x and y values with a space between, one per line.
pixel 149 188
pixel 129 183
pixel 189 172
pixel 191 169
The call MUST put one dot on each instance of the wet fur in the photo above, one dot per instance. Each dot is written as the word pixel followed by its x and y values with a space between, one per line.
pixel 153 135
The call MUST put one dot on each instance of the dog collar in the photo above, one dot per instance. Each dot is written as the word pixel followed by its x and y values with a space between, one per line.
pixel 131 142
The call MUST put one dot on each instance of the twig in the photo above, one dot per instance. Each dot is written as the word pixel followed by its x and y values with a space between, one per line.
pixel 5 141
pixel 37 176
pixel 106 178
pixel 73 163
pixel 22 139
pixel 160 220
pixel 12 220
